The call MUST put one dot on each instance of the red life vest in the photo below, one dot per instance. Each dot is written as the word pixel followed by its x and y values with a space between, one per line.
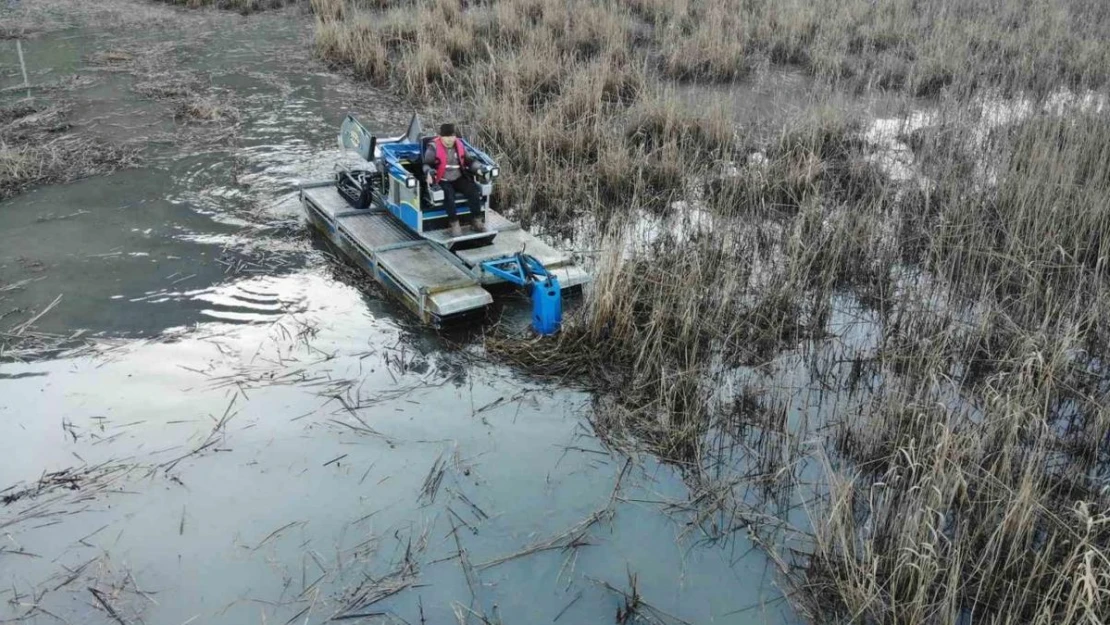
pixel 441 156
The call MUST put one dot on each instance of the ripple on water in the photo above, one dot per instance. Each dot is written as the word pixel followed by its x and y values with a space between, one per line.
pixel 254 299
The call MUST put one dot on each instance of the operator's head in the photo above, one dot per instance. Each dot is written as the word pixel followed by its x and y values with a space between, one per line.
pixel 447 134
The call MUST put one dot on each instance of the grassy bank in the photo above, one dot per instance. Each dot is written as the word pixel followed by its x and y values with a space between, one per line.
pixel 959 463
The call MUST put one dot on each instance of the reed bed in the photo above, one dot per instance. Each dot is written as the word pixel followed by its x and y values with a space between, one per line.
pixel 903 45
pixel 956 494
pixel 918 48
pixel 958 466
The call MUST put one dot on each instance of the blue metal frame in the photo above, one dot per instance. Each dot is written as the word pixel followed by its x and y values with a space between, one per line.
pixel 392 154
pixel 519 269
pixel 547 297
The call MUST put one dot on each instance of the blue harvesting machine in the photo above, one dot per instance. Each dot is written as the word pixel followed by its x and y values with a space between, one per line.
pixel 385 216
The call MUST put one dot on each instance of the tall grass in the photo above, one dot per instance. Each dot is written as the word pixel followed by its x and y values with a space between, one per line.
pixel 917 47
pixel 993 508
pixel 975 484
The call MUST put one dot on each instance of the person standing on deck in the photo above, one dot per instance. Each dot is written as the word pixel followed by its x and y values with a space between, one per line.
pixel 447 164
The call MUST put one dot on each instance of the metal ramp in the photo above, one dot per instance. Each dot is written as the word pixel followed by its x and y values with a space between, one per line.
pixel 428 279
pixel 512 239
pixel 468 240
pixel 510 242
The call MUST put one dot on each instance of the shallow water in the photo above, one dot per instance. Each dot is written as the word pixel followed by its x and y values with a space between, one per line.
pixel 262 439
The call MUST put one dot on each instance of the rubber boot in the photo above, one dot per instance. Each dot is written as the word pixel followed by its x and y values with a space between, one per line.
pixel 456 230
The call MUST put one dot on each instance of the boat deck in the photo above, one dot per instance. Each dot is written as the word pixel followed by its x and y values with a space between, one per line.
pixel 431 280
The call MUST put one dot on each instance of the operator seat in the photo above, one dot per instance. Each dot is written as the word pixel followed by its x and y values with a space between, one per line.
pixel 425 192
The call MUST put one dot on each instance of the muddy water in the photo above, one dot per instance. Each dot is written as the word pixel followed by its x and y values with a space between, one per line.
pixel 255 441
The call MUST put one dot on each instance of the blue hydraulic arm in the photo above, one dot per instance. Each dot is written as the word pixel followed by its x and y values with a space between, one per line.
pixel 547 298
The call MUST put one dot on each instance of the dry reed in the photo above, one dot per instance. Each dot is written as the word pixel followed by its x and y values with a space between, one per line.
pixel 968 480
pixel 36 148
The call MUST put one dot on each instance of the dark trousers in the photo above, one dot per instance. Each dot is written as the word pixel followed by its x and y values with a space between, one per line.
pixel 469 189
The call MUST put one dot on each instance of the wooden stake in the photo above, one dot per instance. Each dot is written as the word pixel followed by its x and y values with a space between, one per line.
pixel 23 66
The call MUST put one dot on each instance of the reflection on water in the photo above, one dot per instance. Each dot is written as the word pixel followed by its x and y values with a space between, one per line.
pixel 258 299
pixel 269 469
pixel 887 134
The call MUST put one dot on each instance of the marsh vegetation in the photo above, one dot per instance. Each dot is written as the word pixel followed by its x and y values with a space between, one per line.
pixel 956 463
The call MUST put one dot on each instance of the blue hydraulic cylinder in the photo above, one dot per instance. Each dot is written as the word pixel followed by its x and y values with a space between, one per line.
pixel 547 306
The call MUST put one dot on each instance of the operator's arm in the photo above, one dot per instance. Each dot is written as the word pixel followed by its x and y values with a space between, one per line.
pixel 472 164
pixel 430 160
